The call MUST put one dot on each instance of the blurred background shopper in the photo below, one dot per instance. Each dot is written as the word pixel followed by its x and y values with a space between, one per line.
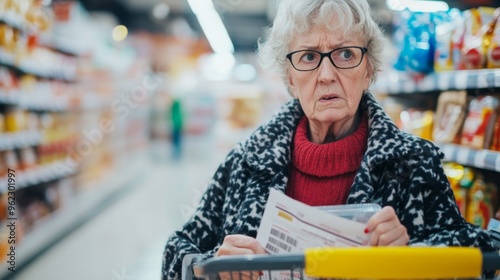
pixel 177 126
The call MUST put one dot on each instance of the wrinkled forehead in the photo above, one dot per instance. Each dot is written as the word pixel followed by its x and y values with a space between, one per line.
pixel 332 34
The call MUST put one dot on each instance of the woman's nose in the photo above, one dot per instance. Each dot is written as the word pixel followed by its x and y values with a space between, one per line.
pixel 327 72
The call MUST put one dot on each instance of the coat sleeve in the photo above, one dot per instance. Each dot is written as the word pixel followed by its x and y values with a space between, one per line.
pixel 200 234
pixel 442 222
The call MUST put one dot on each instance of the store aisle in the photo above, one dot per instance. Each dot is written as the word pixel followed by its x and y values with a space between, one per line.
pixel 126 240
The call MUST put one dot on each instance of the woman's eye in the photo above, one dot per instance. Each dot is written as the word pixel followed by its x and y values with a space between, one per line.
pixel 346 54
pixel 308 57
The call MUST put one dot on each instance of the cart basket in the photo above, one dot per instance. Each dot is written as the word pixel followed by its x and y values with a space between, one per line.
pixel 358 263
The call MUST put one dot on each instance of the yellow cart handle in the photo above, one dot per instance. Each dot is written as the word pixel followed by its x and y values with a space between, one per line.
pixel 394 262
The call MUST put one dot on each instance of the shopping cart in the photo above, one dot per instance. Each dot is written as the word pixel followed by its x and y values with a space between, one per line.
pixel 356 263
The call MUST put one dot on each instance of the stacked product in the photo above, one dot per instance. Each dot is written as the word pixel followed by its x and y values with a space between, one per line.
pixel 444 83
pixel 64 122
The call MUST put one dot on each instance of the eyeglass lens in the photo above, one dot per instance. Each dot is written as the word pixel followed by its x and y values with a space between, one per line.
pixel 342 58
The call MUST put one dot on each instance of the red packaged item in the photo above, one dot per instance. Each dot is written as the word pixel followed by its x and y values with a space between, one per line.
pixel 8 81
pixel 479 123
pixel 493 52
pixel 495 141
pixel 475 38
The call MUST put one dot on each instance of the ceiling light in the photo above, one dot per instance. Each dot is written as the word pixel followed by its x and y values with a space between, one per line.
pixel 217 66
pixel 201 6
pixel 417 5
pixel 215 32
pixel 119 33
pixel 212 26
pixel 160 11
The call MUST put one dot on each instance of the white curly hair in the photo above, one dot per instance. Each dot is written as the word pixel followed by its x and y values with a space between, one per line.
pixel 295 17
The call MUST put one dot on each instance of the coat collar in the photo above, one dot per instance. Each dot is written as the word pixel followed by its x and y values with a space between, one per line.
pixel 383 133
pixel 269 147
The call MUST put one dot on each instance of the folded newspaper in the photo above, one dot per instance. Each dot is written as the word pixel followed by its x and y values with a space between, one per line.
pixel 290 226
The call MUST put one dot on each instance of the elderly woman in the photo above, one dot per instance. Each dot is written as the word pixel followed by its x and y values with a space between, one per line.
pixel 331 144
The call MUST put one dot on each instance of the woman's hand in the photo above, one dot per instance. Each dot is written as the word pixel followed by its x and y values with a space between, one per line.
pixel 386 229
pixel 240 245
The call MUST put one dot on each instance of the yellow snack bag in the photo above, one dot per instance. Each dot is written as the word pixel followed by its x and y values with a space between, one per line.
pixel 480 208
pixel 418 123
pixel 455 173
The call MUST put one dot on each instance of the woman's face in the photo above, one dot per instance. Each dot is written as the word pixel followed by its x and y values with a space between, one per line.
pixel 327 94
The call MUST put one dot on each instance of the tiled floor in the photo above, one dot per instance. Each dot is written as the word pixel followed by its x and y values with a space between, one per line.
pixel 125 241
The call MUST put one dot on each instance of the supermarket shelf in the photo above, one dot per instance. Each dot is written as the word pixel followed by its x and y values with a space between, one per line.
pixel 484 159
pixel 37 103
pixel 40 174
pixel 76 212
pixel 401 83
pixel 7 98
pixel 60 44
pixel 37 68
pixel 41 103
pixel 21 139
pixel 16 21
pixel 44 39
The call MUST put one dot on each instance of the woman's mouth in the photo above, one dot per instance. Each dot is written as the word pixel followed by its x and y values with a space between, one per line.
pixel 328 97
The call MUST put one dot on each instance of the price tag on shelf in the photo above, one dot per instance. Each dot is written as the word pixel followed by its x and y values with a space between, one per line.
pixel 480 158
pixel 444 81
pixel 427 84
pixel 461 81
pixel 482 81
pixel 463 156
pixel 409 87
pixel 497 163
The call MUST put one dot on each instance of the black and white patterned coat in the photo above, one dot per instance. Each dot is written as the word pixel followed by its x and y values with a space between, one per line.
pixel 398 169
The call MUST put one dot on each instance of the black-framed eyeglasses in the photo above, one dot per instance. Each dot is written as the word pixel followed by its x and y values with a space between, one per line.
pixel 342 58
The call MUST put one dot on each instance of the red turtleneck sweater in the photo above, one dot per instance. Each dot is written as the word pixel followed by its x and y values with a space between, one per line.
pixel 322 174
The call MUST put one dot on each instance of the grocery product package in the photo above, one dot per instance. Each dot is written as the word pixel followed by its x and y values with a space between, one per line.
pixel 416 41
pixel 418 122
pixel 480 202
pixel 495 141
pixel 450 115
pixel 446 23
pixel 479 123
pixel 477 32
pixel 494 229
pixel 455 174
pixel 355 212
pixel 493 39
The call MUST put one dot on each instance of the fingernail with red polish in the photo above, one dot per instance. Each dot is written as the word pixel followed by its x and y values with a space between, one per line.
pixel 366 230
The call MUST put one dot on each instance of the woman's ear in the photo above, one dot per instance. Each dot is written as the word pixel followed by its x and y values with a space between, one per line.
pixel 368 79
pixel 290 85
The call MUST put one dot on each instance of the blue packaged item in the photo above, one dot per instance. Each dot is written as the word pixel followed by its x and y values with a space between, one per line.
pixel 417 42
pixel 446 24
